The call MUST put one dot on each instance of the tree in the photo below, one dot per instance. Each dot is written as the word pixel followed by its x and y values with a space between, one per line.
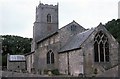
pixel 14 45
pixel 114 28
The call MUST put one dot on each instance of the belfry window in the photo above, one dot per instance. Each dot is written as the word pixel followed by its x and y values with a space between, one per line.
pixel 101 47
pixel 49 18
pixel 50 57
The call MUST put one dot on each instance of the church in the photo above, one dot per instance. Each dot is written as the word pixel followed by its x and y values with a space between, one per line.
pixel 72 49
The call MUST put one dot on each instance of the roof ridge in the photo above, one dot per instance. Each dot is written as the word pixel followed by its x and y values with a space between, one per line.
pixel 71 23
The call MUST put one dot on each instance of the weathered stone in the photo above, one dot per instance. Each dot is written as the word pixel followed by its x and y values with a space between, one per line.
pixel 72 46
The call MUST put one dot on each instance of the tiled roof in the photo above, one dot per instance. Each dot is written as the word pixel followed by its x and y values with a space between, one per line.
pixel 16 58
pixel 76 41
pixel 72 23
pixel 50 35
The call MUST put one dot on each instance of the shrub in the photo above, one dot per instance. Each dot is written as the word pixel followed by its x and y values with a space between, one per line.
pixel 55 72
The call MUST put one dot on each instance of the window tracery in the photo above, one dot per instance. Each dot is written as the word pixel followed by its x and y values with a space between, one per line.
pixel 50 57
pixel 101 48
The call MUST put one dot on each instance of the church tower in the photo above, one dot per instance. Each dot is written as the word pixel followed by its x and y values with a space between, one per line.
pixel 46 22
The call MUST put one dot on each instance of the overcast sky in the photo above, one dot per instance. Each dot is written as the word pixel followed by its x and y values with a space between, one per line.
pixel 17 16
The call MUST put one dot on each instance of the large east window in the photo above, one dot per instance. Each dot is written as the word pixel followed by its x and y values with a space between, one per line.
pixel 101 47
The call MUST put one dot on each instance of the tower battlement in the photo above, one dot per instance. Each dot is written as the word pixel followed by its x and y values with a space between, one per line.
pixel 46 22
pixel 47 5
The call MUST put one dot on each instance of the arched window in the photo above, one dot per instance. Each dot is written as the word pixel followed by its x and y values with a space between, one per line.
pixel 101 47
pixel 101 52
pixel 96 56
pixel 49 18
pixel 107 51
pixel 50 57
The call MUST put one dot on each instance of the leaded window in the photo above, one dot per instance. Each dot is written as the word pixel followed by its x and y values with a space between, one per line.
pixel 101 47
pixel 50 57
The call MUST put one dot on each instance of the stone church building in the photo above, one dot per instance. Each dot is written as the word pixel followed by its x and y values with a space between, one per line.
pixel 72 49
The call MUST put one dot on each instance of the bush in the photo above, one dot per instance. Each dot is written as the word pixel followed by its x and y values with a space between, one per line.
pixel 55 72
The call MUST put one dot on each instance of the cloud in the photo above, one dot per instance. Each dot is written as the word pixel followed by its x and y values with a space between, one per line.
pixel 18 16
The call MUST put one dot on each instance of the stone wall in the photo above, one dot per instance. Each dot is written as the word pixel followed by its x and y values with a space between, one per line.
pixel 119 61
pixel 113 72
pixel 49 41
pixel 76 62
pixel 63 63
pixel 16 66
pixel 40 63
pixel 29 62
pixel 71 62
pixel 88 50
pixel 16 74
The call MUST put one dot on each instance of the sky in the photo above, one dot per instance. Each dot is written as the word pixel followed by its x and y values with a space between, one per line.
pixel 17 16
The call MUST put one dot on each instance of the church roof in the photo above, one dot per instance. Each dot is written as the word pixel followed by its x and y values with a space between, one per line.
pixel 76 41
pixel 48 36
pixel 29 53
pixel 56 32
pixel 72 23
